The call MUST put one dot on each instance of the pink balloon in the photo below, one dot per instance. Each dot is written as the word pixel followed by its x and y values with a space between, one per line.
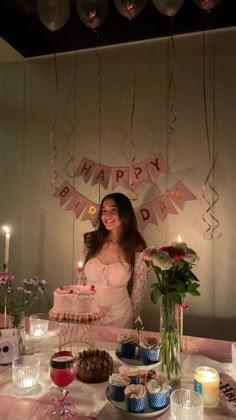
pixel 206 4
pixel 130 8
pixel 92 12
pixel 53 13
pixel 168 7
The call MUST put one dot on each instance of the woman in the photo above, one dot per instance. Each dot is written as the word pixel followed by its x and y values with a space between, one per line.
pixel 114 261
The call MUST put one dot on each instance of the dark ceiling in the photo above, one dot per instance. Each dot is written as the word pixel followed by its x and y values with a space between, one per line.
pixel 22 29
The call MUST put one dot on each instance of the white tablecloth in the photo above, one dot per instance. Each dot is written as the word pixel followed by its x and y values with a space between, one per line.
pixel 89 399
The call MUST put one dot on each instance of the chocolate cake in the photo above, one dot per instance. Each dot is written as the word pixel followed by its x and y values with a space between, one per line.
pixel 94 366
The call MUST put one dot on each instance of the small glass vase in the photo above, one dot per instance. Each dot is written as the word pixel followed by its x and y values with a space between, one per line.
pixel 170 340
pixel 17 320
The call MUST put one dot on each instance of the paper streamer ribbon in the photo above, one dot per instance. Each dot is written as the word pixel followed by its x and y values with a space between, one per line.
pixel 52 160
pixel 210 228
pixel 172 117
pixel 133 144
pixel 99 108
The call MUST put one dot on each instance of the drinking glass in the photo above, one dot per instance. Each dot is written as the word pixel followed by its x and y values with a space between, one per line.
pixel 25 375
pixel 186 405
pixel 63 372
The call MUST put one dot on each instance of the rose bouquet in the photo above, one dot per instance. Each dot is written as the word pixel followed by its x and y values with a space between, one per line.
pixel 16 300
pixel 172 266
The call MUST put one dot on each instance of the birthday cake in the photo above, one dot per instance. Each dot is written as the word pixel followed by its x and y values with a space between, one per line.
pixel 75 303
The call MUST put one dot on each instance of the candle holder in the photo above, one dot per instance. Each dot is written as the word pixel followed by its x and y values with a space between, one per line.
pixel 25 375
pixel 38 325
pixel 207 384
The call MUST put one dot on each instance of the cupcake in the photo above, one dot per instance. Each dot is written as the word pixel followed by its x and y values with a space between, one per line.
pixel 149 350
pixel 131 374
pixel 135 398
pixel 126 345
pixel 158 393
pixel 117 386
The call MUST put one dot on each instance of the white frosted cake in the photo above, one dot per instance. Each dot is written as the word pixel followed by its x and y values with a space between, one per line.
pixel 75 303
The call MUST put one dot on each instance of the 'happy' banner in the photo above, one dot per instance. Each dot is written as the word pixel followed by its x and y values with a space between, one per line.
pixel 146 171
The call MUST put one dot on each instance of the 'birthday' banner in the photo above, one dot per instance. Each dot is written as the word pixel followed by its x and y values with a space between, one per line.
pixel 146 171
pixel 147 213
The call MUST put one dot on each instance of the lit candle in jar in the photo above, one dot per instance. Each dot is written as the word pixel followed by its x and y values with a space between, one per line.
pixel 206 383
pixel 38 325
pixel 7 247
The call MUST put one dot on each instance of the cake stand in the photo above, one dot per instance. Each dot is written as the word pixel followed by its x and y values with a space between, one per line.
pixel 77 336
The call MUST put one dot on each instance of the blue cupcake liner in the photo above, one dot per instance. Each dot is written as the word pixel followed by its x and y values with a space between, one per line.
pixel 116 392
pixel 135 405
pixel 149 355
pixel 126 349
pixel 134 379
pixel 157 400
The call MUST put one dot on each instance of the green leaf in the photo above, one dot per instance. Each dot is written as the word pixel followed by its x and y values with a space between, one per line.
pixel 155 294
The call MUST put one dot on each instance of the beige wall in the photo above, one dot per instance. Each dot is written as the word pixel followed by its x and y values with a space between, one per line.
pixel 46 239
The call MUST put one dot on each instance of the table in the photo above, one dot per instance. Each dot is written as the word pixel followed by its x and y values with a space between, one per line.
pixel 90 398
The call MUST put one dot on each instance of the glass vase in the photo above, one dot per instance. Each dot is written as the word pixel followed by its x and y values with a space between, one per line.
pixel 17 320
pixel 170 340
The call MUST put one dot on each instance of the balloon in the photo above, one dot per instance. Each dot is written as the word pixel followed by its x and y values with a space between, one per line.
pixel 130 8
pixel 168 7
pixel 92 12
pixel 206 4
pixel 53 13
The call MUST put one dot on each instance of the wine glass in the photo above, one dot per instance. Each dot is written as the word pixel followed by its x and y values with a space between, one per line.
pixel 62 372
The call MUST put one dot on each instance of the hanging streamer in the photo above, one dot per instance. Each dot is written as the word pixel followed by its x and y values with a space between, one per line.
pixel 131 140
pixel 52 160
pixel 99 108
pixel 172 115
pixel 210 227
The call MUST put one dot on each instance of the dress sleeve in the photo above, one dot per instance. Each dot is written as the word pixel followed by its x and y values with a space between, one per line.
pixel 139 284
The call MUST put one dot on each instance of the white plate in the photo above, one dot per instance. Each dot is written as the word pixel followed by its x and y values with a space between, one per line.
pixel 148 412
pixel 135 361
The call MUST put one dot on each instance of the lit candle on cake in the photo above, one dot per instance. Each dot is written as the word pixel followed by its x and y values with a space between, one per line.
pixel 206 383
pixel 80 266
pixel 7 247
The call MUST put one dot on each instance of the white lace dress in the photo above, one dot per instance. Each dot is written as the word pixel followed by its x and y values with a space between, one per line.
pixel 111 285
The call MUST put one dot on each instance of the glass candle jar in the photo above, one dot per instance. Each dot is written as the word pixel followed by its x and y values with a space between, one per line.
pixel 38 325
pixel 206 383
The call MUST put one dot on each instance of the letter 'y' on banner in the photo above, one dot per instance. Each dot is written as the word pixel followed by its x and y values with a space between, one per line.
pixel 145 214
pixel 157 165
pixel 120 177
pixel 77 204
pixel 91 212
pixel 85 169
pixel 64 192
pixel 179 194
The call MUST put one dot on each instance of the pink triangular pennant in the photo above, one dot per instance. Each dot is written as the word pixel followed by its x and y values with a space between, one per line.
pixel 101 175
pixel 145 214
pixel 64 192
pixel 157 165
pixel 91 212
pixel 77 204
pixel 179 194
pixel 120 177
pixel 139 173
pixel 163 206
pixel 85 169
